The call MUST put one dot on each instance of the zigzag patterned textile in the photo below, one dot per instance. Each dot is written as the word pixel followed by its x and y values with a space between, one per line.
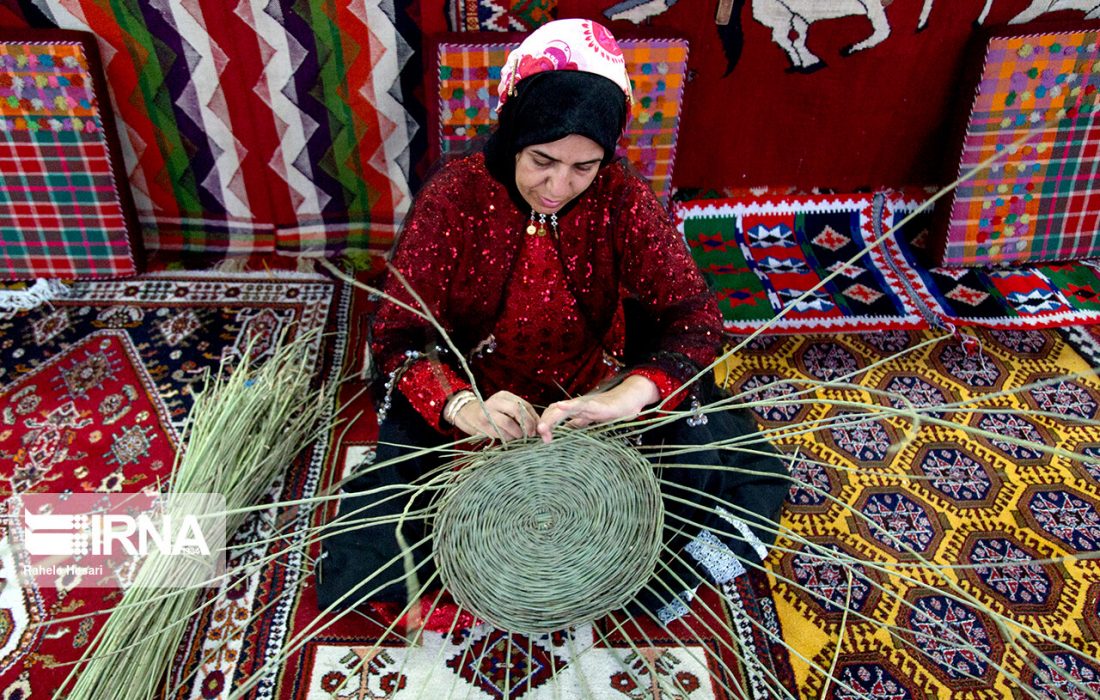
pixel 1023 524
pixel 256 126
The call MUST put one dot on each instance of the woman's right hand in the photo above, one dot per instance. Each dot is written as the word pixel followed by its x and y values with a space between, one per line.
pixel 505 416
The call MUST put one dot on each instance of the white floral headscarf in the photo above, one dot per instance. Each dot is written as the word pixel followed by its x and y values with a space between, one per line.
pixel 566 44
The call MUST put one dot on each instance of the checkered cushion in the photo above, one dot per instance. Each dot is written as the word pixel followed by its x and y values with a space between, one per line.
pixel 1039 201
pixel 62 213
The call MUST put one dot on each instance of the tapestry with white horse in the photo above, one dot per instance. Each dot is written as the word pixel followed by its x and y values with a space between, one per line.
pixel 790 21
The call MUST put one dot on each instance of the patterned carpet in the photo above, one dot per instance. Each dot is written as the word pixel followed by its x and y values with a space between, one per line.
pixel 591 661
pixel 93 392
pixel 1019 522
pixel 796 255
pixel 353 657
pixel 94 389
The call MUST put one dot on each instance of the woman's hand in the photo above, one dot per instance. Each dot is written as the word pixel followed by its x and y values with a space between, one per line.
pixel 511 417
pixel 624 400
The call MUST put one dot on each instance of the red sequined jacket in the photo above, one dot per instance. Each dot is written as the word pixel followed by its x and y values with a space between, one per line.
pixel 458 249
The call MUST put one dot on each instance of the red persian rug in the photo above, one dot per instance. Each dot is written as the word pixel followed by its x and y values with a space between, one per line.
pixel 94 389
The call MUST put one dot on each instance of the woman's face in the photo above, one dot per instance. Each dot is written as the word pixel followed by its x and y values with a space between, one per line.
pixel 549 175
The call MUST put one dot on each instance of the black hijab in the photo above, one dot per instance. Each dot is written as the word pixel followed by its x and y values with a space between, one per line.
pixel 549 106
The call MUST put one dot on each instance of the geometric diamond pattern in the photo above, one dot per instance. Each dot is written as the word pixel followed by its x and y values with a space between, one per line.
pixel 966 295
pixel 884 491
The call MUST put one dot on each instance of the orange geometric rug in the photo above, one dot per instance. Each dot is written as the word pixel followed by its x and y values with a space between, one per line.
pixel 1015 530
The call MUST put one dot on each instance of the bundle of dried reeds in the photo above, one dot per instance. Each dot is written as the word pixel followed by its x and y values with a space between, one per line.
pixel 244 429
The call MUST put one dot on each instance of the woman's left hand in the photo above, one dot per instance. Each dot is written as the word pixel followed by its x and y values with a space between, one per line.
pixel 624 400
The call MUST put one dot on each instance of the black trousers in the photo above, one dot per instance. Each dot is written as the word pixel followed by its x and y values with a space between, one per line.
pixel 367 563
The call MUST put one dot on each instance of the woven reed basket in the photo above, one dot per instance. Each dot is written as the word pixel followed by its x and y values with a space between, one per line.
pixel 536 537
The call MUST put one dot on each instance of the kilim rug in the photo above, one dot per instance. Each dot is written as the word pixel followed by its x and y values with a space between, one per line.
pixel 94 388
pixel 761 255
pixel 1018 521
pixel 499 15
pixel 1040 296
pixel 1086 341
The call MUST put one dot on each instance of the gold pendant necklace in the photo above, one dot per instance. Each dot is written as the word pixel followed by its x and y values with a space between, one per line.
pixel 539 229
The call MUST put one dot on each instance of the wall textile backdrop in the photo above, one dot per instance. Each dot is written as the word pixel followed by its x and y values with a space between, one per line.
pixel 821 93
pixel 256 126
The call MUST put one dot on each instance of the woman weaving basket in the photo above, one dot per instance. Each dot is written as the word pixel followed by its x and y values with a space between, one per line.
pixel 559 276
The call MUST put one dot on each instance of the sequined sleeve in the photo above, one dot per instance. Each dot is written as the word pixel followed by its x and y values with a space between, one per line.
pixel 665 384
pixel 407 347
pixel 658 270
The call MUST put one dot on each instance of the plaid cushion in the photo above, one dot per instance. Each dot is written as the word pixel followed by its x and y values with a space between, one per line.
pixel 1039 201
pixel 62 211
pixel 468 75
